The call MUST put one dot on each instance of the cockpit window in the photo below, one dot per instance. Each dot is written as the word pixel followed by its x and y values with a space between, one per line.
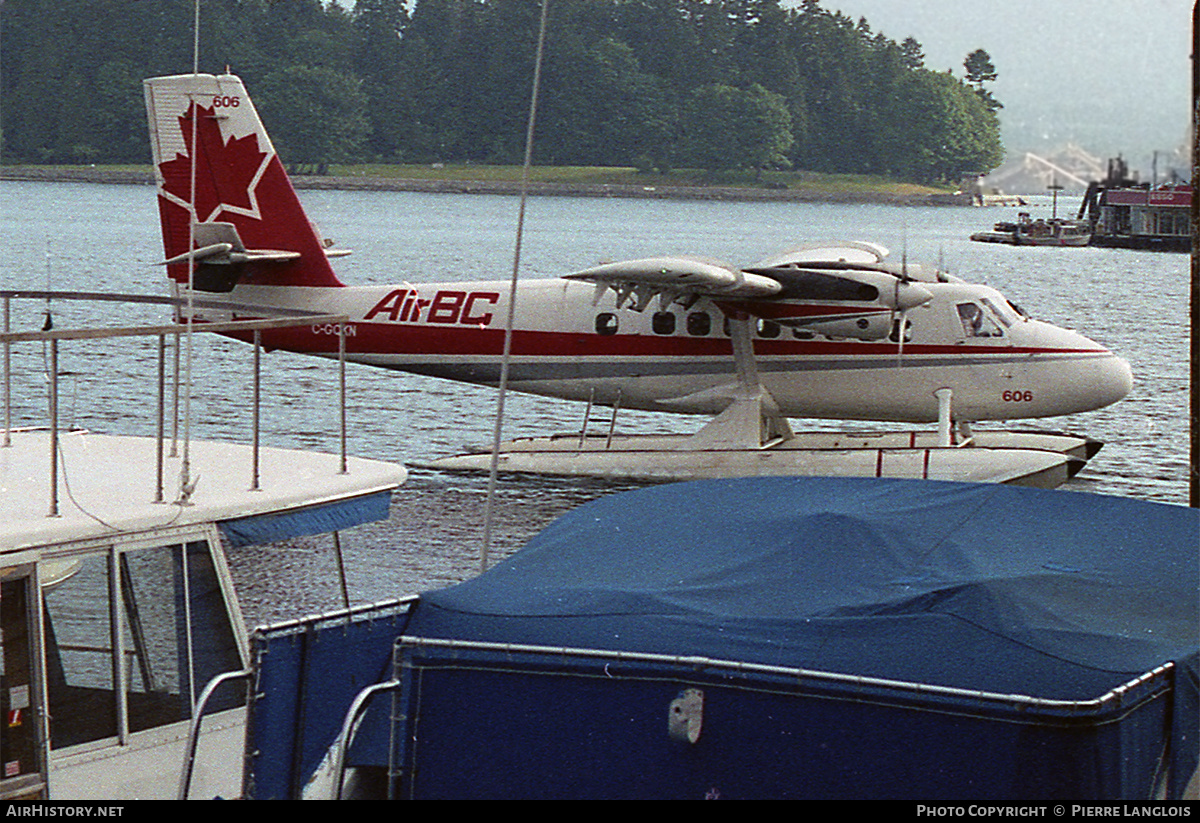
pixel 1003 313
pixel 1017 308
pixel 975 321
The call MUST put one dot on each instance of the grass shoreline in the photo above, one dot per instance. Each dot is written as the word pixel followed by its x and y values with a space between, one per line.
pixel 553 181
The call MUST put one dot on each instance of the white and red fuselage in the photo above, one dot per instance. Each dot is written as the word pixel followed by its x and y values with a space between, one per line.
pixel 818 355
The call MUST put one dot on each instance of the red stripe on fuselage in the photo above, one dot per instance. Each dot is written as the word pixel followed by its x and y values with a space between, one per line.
pixel 468 341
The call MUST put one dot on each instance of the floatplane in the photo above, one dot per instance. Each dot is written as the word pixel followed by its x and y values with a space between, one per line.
pixel 833 331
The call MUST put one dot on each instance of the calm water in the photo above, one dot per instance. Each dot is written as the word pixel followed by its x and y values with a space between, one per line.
pixel 85 237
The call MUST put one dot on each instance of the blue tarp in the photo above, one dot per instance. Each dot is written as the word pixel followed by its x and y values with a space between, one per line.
pixel 306 676
pixel 999 589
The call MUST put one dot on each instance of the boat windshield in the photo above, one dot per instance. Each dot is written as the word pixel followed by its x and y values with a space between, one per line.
pixel 173 634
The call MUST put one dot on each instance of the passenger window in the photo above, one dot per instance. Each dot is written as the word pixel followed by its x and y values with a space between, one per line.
pixel 663 322
pixel 699 324
pixel 606 323
pixel 975 321
pixel 767 329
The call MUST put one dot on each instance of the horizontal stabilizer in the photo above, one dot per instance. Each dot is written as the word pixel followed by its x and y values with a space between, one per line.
pixel 219 254
pixel 219 244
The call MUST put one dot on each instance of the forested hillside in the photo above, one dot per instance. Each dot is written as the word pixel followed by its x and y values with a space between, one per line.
pixel 656 84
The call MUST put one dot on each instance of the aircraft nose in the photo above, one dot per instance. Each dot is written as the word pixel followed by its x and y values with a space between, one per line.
pixel 1114 381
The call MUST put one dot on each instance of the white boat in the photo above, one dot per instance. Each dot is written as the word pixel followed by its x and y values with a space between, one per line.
pixel 116 602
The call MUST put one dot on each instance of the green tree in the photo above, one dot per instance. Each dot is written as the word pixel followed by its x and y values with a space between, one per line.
pixel 936 129
pixel 609 112
pixel 315 115
pixel 914 55
pixel 730 128
pixel 980 70
pixel 379 59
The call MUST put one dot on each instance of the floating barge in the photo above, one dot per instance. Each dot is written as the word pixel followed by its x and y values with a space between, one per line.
pixel 1128 215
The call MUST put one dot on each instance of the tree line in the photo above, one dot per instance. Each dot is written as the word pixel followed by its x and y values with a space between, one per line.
pixel 656 84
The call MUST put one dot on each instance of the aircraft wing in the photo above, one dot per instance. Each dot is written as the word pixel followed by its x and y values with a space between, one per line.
pixel 848 272
pixel 845 255
pixel 676 276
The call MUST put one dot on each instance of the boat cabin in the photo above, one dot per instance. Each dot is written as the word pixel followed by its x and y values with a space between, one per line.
pixel 118 615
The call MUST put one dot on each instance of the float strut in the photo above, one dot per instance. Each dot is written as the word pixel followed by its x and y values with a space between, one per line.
pixel 944 424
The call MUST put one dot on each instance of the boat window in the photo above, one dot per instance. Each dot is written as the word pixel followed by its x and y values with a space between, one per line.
pixel 699 324
pixel 175 635
pixel 161 685
pixel 975 321
pixel 606 323
pixel 663 322
pixel 79 653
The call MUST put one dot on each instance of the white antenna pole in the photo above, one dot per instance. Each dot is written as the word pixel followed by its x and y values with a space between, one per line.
pixel 512 295
pixel 185 479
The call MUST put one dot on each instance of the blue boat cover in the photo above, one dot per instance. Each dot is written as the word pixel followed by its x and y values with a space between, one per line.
pixel 1050 594
pixel 988 587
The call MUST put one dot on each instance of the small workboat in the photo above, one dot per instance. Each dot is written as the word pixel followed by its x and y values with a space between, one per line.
pixel 1026 231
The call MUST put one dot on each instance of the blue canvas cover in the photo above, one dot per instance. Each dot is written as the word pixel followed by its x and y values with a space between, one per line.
pixel 324 518
pixel 992 588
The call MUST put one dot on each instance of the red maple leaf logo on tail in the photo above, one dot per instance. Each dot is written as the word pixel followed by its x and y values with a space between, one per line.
pixel 226 172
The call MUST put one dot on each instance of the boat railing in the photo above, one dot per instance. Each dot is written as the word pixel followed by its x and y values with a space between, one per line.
pixel 265 318
pixel 193 738
pixel 862 687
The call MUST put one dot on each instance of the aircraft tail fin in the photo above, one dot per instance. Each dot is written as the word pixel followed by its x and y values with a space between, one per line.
pixel 250 225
